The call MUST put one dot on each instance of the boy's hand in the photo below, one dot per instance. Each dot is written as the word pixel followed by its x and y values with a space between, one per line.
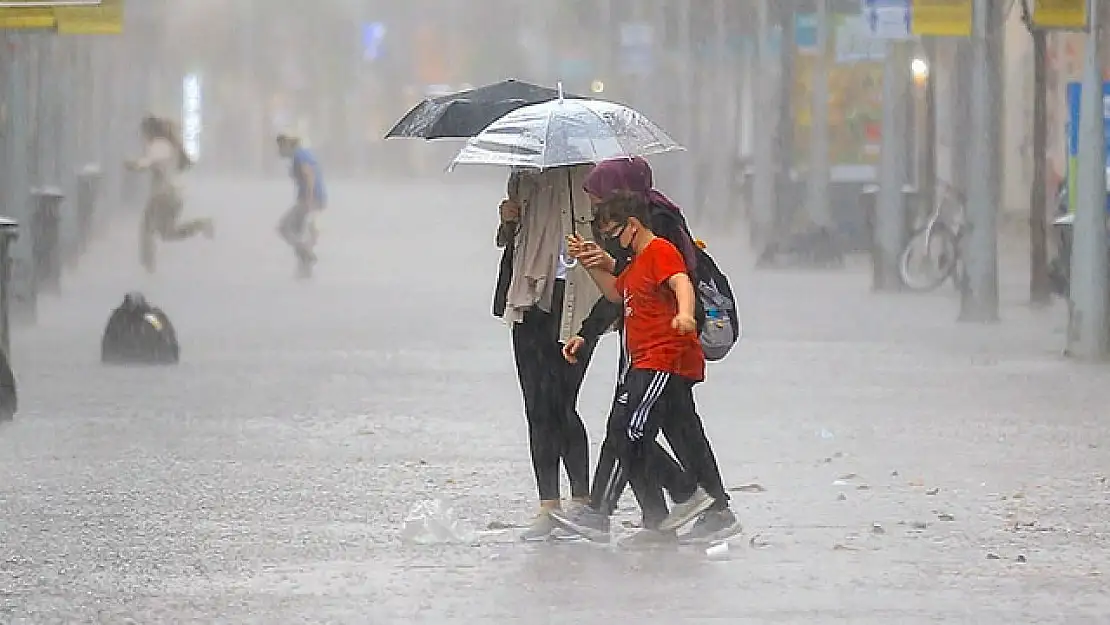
pixel 685 324
pixel 570 350
pixel 510 211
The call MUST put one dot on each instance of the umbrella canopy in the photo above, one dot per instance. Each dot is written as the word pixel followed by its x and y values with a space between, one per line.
pixel 464 114
pixel 565 132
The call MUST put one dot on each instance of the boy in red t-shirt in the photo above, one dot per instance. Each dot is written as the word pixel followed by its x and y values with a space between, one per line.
pixel 665 361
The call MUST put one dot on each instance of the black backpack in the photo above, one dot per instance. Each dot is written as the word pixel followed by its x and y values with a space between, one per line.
pixel 719 326
pixel 715 310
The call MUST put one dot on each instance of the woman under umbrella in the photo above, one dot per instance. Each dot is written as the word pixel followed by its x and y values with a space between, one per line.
pixel 535 285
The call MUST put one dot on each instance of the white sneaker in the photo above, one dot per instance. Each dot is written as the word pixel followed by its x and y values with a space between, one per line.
pixel 541 526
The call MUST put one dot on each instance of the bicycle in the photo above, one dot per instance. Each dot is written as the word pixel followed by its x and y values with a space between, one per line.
pixel 932 255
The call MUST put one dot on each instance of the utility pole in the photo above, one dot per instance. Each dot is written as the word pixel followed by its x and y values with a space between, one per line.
pixel 17 179
pixel 725 149
pixel 1088 292
pixel 961 114
pixel 928 186
pixel 1040 286
pixel 785 207
pixel 763 191
pixel 687 112
pixel 890 213
pixel 819 177
pixel 979 297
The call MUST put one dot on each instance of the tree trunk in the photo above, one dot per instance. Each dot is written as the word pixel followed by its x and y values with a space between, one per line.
pixel 1040 287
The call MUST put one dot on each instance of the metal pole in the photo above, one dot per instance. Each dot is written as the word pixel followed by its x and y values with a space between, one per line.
pixel 1040 285
pixel 787 200
pixel 8 232
pixel 890 212
pixel 961 114
pixel 18 179
pixel 929 153
pixel 979 297
pixel 687 113
pixel 764 192
pixel 1087 306
pixel 819 176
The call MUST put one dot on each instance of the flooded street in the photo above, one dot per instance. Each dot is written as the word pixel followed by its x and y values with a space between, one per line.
pixel 890 465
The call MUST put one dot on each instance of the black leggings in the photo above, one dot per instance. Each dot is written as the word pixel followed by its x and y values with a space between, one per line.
pixel 550 388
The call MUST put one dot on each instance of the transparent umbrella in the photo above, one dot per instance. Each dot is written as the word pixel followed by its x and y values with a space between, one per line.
pixel 565 132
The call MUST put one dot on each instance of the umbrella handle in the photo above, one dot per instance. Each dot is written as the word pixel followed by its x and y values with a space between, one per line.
pixel 559 86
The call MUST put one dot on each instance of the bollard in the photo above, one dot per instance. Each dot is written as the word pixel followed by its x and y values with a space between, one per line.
pixel 88 194
pixel 9 230
pixel 45 249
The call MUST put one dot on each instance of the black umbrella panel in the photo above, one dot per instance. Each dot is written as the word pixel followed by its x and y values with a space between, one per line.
pixel 465 114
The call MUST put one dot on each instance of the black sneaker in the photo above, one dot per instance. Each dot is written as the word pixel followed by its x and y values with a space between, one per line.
pixel 584 521
pixel 713 526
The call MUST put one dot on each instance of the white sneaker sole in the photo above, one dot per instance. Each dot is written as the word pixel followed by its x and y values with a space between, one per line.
pixel 580 530
pixel 720 535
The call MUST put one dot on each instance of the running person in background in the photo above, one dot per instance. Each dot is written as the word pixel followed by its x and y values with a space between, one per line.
pixel 165 158
pixel 298 226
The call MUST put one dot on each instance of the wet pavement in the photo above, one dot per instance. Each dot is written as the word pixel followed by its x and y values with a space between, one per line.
pixel 905 468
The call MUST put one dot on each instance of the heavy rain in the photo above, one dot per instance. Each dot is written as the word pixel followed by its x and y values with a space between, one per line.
pixel 577 311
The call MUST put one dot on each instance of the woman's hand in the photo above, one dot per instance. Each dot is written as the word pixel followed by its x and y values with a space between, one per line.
pixel 510 211
pixel 570 349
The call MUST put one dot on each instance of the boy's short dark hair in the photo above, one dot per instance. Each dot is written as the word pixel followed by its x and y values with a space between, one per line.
pixel 623 205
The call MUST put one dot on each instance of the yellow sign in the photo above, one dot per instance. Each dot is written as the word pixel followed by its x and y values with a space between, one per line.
pixel 942 18
pixel 105 19
pixel 36 17
pixel 1062 14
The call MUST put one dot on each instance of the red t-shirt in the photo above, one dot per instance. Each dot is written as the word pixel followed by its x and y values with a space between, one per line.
pixel 649 308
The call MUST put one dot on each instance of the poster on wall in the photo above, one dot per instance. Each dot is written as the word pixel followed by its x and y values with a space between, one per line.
pixel 855 101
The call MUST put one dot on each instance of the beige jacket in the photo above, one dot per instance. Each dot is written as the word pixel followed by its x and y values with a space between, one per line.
pixel 539 193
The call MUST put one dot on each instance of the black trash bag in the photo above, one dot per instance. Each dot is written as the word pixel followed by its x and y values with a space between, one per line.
pixel 9 401
pixel 139 334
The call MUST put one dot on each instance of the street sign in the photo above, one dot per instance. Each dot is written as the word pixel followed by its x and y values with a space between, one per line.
pixel 22 15
pixel 888 19
pixel 1060 14
pixel 106 18
pixel 805 31
pixel 66 17
pixel 853 42
pixel 942 18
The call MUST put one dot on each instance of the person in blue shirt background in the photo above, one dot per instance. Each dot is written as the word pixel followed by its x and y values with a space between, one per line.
pixel 297 226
